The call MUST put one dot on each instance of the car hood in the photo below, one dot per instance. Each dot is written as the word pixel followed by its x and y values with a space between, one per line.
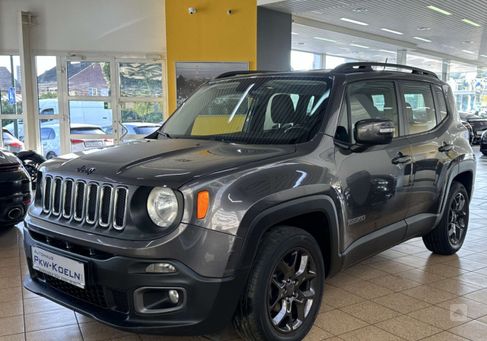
pixel 172 162
pixel 8 159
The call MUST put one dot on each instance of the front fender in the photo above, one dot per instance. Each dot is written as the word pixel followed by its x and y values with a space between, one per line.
pixel 258 221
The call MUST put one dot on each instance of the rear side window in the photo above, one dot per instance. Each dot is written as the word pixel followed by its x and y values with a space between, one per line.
pixel 47 134
pixel 87 131
pixel 366 100
pixel 419 109
pixel 440 102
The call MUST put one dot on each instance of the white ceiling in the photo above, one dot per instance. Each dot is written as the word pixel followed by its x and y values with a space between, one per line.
pixel 449 35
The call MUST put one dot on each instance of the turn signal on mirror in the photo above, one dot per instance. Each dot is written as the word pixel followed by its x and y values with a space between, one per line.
pixel 202 204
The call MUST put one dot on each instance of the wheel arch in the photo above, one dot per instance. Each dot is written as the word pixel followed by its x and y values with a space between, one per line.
pixel 466 179
pixel 315 214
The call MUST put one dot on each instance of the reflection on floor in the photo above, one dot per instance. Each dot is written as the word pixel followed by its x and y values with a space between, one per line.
pixel 405 293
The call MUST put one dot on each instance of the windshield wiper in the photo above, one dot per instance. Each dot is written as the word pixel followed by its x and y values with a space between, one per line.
pixel 163 133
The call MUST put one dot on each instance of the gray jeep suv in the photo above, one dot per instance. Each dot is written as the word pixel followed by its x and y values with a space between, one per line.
pixel 259 188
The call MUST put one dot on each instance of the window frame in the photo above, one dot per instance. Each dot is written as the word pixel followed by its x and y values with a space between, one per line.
pixel 346 102
pixel 439 121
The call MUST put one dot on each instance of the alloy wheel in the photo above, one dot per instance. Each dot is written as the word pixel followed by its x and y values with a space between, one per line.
pixel 292 290
pixel 457 219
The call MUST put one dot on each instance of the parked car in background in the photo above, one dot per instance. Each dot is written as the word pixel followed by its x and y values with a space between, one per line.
pixel 483 143
pixel 134 128
pixel 471 134
pixel 15 190
pixel 10 142
pixel 94 112
pixel 50 138
pixel 478 124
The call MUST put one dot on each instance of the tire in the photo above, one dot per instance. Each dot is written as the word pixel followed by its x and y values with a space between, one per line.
pixel 50 155
pixel 448 237
pixel 282 247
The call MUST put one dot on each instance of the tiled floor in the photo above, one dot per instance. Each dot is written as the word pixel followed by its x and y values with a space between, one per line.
pixel 405 293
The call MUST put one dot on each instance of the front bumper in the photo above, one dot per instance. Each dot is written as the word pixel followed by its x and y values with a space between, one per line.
pixel 112 280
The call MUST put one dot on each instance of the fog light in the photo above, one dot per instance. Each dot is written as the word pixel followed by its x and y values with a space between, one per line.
pixel 160 268
pixel 174 296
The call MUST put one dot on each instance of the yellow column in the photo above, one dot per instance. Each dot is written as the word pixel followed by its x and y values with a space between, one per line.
pixel 209 35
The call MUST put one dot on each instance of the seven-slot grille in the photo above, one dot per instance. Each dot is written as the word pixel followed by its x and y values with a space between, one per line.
pixel 102 205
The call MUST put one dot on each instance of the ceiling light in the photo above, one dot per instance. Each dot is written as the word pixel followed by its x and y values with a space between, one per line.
pixel 439 10
pixel 361 46
pixel 354 21
pixel 470 22
pixel 423 39
pixel 424 28
pixel 468 51
pixel 388 51
pixel 325 39
pixel 483 55
pixel 316 12
pixel 294 33
pixel 360 10
pixel 392 31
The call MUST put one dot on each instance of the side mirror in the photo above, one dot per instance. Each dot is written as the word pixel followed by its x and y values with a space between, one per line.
pixel 374 131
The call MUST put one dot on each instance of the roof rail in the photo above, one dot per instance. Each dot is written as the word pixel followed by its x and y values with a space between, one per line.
pixel 239 73
pixel 367 67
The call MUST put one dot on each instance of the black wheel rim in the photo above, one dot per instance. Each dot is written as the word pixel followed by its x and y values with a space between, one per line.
pixel 292 291
pixel 457 219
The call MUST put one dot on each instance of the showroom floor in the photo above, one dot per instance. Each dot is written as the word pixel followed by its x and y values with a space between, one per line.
pixel 404 293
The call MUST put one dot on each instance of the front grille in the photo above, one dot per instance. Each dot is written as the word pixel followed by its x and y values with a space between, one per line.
pixel 70 247
pixel 100 205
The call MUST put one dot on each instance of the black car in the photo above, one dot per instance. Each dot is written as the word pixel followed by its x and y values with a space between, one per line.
pixel 471 134
pixel 15 190
pixel 478 124
pixel 255 192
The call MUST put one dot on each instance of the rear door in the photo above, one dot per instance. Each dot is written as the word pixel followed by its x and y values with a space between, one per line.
pixel 425 112
pixel 375 181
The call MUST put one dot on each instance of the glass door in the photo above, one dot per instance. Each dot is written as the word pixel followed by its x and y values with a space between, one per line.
pixel 50 118
pixel 11 122
pixel 89 104
pixel 139 90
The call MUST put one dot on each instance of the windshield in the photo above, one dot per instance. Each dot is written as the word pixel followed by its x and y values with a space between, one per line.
pixel 254 110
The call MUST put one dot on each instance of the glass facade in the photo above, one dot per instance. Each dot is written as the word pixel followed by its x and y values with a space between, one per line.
pixel 469 83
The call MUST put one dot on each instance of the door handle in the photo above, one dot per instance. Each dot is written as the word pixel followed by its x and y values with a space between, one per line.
pixel 445 148
pixel 401 158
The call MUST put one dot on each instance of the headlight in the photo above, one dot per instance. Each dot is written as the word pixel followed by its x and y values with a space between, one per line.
pixel 162 206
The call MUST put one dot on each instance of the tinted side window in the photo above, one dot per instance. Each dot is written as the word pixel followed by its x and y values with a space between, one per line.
pixel 373 99
pixel 440 102
pixel 419 107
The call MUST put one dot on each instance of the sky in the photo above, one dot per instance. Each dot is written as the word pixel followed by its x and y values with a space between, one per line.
pixel 43 63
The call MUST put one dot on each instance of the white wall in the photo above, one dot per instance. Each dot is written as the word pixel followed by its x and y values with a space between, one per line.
pixel 110 26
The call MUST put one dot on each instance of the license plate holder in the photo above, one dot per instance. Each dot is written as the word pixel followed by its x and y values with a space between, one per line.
pixel 60 267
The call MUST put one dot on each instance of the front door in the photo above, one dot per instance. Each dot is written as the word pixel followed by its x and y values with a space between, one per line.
pixel 375 181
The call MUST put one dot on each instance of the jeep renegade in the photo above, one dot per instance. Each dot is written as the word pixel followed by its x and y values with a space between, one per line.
pixel 259 188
